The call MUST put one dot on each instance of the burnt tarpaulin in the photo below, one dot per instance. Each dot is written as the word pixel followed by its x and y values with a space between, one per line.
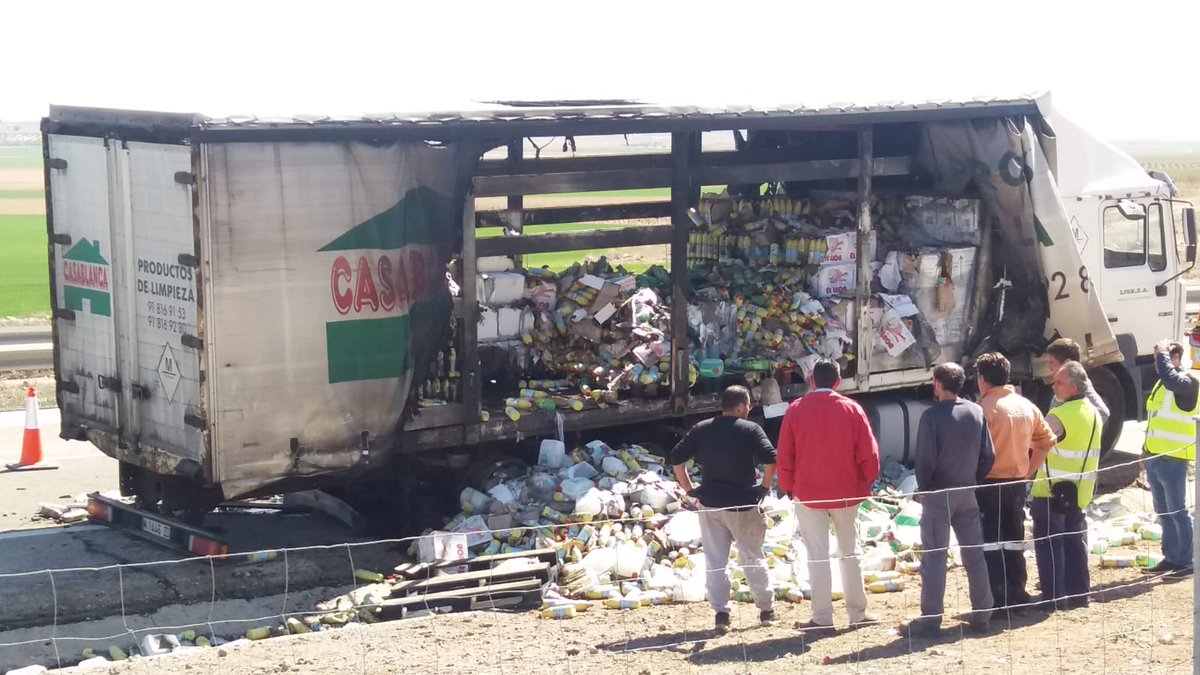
pixel 328 271
pixel 1034 251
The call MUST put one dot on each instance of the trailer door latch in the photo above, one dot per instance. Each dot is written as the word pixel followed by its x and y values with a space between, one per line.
pixel 113 384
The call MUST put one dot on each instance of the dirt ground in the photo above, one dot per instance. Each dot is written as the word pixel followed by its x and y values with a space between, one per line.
pixel 23 179
pixel 1133 625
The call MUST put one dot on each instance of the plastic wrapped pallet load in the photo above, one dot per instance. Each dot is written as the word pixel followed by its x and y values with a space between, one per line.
pixel 942 284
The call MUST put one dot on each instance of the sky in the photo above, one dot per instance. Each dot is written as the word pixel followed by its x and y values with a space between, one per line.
pixel 1123 70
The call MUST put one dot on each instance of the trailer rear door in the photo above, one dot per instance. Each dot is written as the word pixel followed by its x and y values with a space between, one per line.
pixel 129 276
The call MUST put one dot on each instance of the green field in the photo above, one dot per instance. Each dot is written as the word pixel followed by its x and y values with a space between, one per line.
pixel 660 193
pixel 26 274
pixel 563 259
pixel 22 194
pixel 21 157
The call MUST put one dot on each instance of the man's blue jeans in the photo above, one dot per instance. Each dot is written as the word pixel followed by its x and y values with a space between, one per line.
pixel 1168 488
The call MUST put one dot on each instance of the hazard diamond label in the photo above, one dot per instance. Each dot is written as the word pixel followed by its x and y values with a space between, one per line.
pixel 168 373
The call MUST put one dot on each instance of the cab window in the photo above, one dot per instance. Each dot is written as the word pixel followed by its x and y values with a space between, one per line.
pixel 1156 238
pixel 1124 239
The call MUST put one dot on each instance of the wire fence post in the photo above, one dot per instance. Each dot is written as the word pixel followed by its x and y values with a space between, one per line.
pixel 1196 578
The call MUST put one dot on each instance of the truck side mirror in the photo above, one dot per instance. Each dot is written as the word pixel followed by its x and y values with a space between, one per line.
pixel 1189 231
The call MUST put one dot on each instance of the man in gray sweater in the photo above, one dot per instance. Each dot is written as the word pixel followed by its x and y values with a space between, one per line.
pixel 953 454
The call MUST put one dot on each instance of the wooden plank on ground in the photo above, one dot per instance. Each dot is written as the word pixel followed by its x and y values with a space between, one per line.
pixel 469 579
pixel 513 594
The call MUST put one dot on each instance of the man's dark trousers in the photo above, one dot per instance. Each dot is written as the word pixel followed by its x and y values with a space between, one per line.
pixel 1002 507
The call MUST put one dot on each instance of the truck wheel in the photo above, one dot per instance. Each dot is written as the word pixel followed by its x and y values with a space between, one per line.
pixel 489 471
pixel 1109 387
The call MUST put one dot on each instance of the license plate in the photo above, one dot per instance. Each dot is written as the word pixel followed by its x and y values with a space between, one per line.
pixel 156 528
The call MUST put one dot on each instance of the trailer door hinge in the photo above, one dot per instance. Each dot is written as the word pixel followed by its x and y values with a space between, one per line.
pixel 58 163
pixel 64 314
pixel 139 392
pixel 185 178
pixel 113 384
pixel 69 386
pixel 62 239
pixel 194 421
pixel 191 341
pixel 189 260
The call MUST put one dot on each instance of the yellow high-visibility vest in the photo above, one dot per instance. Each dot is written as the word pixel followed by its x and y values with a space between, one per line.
pixel 1170 429
pixel 1076 457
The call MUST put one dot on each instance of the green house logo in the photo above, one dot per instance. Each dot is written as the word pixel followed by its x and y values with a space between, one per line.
pixel 381 278
pixel 85 279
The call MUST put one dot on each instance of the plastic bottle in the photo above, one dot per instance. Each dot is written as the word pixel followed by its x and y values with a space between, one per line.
pixel 889 586
pixel 1152 532
pixel 875 576
pixel 478 501
pixel 368 576
pixel 623 603
pixel 1147 559
pixel 629 559
pixel 589 503
pixel 559 612
pixel 1117 560
pixel 613 466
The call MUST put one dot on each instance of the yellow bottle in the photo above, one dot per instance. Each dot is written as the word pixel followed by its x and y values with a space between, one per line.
pixel 872 577
pixel 623 603
pixel 889 586
pixel 559 612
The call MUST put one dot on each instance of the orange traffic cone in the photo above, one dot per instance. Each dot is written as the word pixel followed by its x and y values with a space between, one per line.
pixel 31 445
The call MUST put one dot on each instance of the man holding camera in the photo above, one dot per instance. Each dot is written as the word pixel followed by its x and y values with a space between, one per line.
pixel 1064 485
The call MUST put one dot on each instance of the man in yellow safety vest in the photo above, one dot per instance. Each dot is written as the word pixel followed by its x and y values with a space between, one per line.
pixel 1171 444
pixel 1066 480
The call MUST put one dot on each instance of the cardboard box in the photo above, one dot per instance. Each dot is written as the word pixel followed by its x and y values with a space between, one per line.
pixel 489 324
pixel 495 263
pixel 842 248
pixel 501 288
pixel 939 221
pixel 438 546
pixel 508 323
pixel 836 280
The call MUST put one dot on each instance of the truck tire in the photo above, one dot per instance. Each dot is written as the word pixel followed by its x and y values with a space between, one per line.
pixel 491 470
pixel 1108 385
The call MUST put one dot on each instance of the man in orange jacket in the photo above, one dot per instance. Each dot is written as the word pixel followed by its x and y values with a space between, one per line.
pixel 1016 427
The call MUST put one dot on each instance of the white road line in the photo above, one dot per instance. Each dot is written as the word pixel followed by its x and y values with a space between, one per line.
pixel 23 534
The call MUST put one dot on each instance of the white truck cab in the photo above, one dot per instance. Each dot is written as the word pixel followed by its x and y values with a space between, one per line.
pixel 1136 242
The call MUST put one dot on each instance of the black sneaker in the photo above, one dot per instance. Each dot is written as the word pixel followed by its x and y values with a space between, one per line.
pixel 1163 567
pixel 766 617
pixel 921 629
pixel 723 625
pixel 1179 572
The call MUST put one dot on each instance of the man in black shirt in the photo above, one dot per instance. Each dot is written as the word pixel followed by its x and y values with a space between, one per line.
pixel 727 448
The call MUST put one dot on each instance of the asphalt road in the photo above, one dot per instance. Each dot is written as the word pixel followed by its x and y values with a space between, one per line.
pixel 152 576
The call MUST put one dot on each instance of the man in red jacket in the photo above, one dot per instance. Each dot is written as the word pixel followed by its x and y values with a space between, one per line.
pixel 828 459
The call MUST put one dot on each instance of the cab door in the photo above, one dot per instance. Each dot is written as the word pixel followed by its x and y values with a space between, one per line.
pixel 1134 292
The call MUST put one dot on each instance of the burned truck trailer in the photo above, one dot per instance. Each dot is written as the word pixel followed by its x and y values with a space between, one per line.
pixel 247 306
